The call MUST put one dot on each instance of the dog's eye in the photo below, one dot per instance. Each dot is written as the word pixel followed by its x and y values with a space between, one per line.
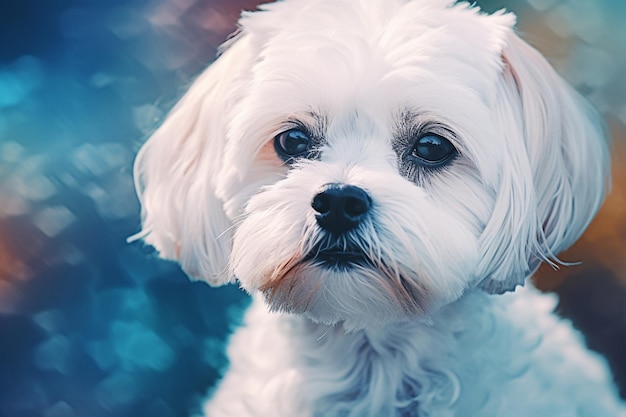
pixel 433 150
pixel 292 144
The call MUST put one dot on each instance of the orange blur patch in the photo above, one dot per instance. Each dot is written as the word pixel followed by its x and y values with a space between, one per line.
pixel 12 270
pixel 11 267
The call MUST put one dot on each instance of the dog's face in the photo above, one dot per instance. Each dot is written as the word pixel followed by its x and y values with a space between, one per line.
pixel 369 161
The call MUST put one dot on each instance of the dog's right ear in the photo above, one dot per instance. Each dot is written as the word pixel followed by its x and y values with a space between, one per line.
pixel 175 170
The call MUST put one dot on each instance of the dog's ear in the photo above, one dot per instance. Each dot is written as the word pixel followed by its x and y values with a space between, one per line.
pixel 554 176
pixel 175 171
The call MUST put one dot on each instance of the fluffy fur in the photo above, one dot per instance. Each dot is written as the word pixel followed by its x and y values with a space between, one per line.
pixel 431 324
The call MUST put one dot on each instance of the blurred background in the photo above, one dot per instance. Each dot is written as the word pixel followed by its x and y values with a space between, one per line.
pixel 92 326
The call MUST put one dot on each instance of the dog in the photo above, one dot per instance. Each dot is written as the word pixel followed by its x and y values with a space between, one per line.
pixel 383 177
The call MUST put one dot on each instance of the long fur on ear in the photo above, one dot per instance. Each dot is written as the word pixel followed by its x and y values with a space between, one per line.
pixel 563 150
pixel 175 171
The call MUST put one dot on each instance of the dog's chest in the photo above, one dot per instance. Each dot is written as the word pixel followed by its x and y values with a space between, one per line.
pixel 475 361
pixel 410 370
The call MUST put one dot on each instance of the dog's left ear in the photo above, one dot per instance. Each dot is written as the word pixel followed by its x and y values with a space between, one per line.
pixel 176 170
pixel 554 173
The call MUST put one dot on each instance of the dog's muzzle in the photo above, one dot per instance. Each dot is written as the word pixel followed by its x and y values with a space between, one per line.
pixel 340 208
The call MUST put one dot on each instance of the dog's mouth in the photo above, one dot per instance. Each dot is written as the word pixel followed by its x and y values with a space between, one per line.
pixel 337 258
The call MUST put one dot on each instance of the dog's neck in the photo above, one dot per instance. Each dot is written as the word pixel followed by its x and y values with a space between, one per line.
pixel 402 359
pixel 474 313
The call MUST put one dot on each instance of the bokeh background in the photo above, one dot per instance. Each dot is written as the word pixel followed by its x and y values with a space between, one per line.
pixel 93 326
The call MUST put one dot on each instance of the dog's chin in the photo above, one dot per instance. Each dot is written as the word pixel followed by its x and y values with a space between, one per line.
pixel 348 288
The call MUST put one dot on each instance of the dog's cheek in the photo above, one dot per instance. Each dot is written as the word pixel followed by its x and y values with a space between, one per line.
pixel 257 257
pixel 293 289
pixel 236 185
pixel 269 241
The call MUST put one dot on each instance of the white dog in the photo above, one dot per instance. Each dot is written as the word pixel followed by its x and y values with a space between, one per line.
pixel 381 175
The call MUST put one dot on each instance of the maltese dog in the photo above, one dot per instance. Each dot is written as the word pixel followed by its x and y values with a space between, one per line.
pixel 381 175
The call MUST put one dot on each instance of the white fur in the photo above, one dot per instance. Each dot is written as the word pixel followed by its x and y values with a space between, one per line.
pixel 425 330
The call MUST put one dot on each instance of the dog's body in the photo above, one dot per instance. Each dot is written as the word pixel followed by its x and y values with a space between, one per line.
pixel 379 173
pixel 483 356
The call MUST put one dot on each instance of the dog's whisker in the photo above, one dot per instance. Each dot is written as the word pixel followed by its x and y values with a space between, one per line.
pixel 230 229
pixel 323 335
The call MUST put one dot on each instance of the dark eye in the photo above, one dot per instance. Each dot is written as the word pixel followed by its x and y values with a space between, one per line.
pixel 292 144
pixel 433 150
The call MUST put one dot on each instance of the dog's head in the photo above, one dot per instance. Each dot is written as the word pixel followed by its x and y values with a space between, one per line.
pixel 369 161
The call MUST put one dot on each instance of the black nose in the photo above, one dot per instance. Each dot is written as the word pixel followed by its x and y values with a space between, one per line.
pixel 341 207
